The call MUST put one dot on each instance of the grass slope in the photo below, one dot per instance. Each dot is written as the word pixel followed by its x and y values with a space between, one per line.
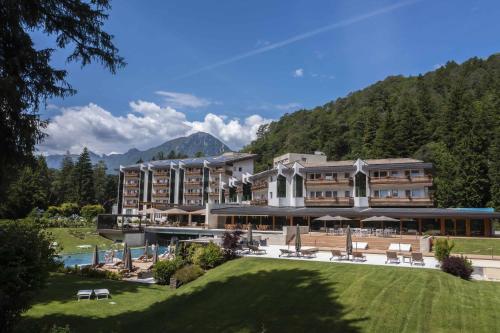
pixel 257 295
pixel 70 238
pixel 485 246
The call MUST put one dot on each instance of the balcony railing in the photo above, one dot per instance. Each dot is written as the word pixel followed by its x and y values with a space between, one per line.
pixel 260 186
pixel 192 194
pixel 408 201
pixel 333 181
pixel 131 194
pixel 193 183
pixel 131 184
pixel 259 202
pixel 326 201
pixel 131 174
pixel 161 173
pixel 427 179
pixel 160 195
pixel 194 172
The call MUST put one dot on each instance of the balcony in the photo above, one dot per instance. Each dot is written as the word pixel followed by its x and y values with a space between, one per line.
pixel 193 183
pixel 131 194
pixel 259 186
pixel 194 172
pixel 259 202
pixel 130 205
pixel 423 180
pixel 330 182
pixel 131 184
pixel 161 195
pixel 131 174
pixel 192 194
pixel 159 173
pixel 324 201
pixel 398 202
pixel 160 184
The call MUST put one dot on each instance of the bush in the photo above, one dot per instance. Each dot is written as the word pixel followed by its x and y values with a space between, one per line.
pixel 164 270
pixel 188 273
pixel 60 329
pixel 91 272
pixel 208 256
pixel 26 259
pixel 458 266
pixel 442 248
pixel 69 208
pixel 89 212
pixel 53 211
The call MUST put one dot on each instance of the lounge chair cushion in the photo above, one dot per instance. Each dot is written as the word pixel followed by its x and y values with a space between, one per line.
pixel 84 294
pixel 101 292
pixel 359 245
pixel 400 247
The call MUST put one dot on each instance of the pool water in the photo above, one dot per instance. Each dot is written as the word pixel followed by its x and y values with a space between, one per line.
pixel 86 258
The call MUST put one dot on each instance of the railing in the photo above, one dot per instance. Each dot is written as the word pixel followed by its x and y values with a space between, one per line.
pixel 131 174
pixel 124 223
pixel 259 202
pixel 333 181
pixel 131 194
pixel 259 186
pixel 194 172
pixel 324 201
pixel 161 195
pixel 427 179
pixel 196 183
pixel 131 184
pixel 192 194
pixel 161 173
pixel 160 184
pixel 408 201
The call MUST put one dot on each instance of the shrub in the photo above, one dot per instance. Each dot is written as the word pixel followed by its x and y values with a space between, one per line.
pixel 230 242
pixel 442 248
pixel 208 256
pixel 458 266
pixel 53 211
pixel 188 273
pixel 90 272
pixel 164 270
pixel 69 208
pixel 60 329
pixel 89 212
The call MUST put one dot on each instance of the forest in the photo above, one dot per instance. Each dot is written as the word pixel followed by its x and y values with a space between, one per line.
pixel 449 117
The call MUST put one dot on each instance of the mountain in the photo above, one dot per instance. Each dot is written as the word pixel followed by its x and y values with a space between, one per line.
pixel 189 145
pixel 450 117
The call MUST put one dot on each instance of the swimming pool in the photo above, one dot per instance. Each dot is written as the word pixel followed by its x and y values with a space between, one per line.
pixel 86 258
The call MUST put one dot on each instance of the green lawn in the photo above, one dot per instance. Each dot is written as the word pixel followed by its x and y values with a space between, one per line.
pixel 271 295
pixel 70 238
pixel 477 246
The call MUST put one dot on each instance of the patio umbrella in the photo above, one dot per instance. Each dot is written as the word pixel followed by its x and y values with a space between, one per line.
pixel 125 249
pixel 348 242
pixel 128 261
pixel 250 234
pixel 332 218
pixel 298 243
pixel 155 255
pixel 380 219
pixel 95 257
pixel 146 249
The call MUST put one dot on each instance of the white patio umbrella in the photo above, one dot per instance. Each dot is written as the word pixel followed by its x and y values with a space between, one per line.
pixel 331 218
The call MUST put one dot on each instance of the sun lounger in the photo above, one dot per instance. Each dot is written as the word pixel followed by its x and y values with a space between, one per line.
pixel 359 245
pixel 102 293
pixel 309 252
pixel 84 294
pixel 392 257
pixel 400 247
pixel 358 256
pixel 417 258
pixel 285 252
pixel 256 250
pixel 338 254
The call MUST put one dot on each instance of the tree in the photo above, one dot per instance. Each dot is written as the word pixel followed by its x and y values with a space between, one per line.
pixel 111 191
pixel 100 180
pixel 64 185
pixel 159 156
pixel 199 154
pixel 26 258
pixel 140 160
pixel 172 155
pixel 26 75
pixel 385 144
pixel 84 176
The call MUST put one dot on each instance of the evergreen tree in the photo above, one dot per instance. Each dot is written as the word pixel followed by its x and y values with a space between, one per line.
pixel 172 155
pixel 409 132
pixel 84 176
pixel 100 180
pixel 65 185
pixel 199 154
pixel 385 141
pixel 494 172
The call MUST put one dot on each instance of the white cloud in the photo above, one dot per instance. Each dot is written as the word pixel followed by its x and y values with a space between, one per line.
pixel 180 100
pixel 281 107
pixel 436 66
pixel 299 72
pixel 145 126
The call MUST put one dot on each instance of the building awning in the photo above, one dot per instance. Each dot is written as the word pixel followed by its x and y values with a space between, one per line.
pixel 351 212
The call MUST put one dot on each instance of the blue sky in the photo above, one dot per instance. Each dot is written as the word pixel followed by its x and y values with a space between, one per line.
pixel 226 67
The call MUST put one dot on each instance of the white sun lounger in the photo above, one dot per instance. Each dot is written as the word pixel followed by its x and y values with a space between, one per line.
pixel 359 245
pixel 84 294
pixel 101 292
pixel 400 247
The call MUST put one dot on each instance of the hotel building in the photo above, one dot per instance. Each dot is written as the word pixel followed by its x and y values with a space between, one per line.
pixel 297 189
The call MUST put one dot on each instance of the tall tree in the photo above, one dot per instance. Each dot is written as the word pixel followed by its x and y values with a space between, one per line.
pixel 84 176
pixel 100 180
pixel 385 144
pixel 27 77
pixel 65 184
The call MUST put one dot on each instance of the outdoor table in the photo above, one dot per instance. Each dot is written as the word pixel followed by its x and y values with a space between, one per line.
pixel 405 257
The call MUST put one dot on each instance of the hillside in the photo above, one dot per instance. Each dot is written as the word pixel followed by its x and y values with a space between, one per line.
pixel 189 145
pixel 450 117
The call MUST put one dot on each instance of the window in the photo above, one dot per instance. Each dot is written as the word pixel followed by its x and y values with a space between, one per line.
pixel 304 159
pixel 330 175
pixel 319 194
pixel 347 194
pixel 281 186
pixel 395 193
pixel 407 193
pixel 375 174
pixel 298 188
pixel 383 174
pixel 416 193
pixel 247 192
pixel 407 173
pixel 360 185
pixel 376 194
pixel 328 194
pixel 394 173
pixel 384 193
pixel 271 195
pixel 415 173
pixel 240 169
pixel 347 175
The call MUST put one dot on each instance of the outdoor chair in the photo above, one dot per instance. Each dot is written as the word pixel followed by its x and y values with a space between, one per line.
pixel 337 254
pixel 84 294
pixel 101 292
pixel 309 252
pixel 392 257
pixel 358 256
pixel 286 252
pixel 417 258
pixel 256 250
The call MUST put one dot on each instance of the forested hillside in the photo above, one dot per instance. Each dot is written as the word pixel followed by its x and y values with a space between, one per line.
pixel 450 117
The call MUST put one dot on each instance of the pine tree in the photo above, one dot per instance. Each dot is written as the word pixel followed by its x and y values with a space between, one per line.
pixel 172 155
pixel 84 177
pixel 494 172
pixel 384 144
pixel 65 185
pixel 100 182
pixel 409 132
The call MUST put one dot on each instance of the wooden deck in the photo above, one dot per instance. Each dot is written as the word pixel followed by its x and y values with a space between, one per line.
pixel 375 244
